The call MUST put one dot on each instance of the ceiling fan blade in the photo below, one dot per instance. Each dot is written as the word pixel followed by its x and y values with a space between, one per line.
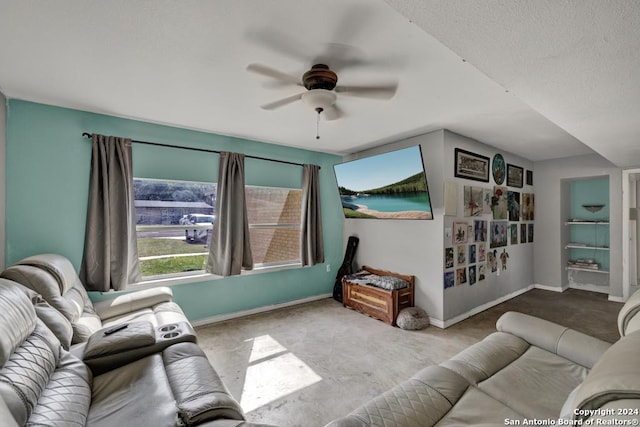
pixel 374 92
pixel 282 102
pixel 273 73
pixel 333 113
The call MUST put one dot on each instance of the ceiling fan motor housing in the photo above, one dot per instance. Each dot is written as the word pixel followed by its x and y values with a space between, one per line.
pixel 320 77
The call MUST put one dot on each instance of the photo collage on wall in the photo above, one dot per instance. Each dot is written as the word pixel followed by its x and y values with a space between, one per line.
pixel 493 217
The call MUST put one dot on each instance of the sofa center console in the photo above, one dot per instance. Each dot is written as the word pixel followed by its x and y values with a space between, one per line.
pixel 112 347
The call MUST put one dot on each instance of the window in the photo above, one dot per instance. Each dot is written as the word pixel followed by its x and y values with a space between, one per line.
pixel 274 224
pixel 174 220
pixel 173 224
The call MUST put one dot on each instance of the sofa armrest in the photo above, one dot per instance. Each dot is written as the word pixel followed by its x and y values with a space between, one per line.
pixel 133 301
pixel 580 348
pixel 105 352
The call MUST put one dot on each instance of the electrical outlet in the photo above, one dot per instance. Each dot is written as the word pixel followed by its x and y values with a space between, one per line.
pixel 328 268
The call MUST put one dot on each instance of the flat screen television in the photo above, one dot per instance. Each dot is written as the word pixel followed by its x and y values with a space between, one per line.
pixel 392 185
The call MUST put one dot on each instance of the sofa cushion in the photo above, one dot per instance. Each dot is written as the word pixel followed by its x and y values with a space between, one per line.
pixel 616 376
pixel 66 399
pixel 481 360
pixel 575 346
pixel 46 285
pixel 536 384
pixel 175 387
pixel 17 319
pixel 418 402
pixel 56 265
pixel 477 408
pixel 143 382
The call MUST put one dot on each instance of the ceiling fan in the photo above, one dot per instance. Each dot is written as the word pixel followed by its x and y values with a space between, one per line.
pixel 321 89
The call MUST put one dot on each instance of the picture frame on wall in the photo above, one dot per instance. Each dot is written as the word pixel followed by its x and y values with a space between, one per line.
pixel 529 177
pixel 470 165
pixel 515 176
pixel 460 230
pixel 498 168
pixel 498 234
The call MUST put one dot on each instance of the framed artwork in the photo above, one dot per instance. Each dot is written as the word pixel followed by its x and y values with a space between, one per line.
pixel 527 206
pixel 449 279
pixel 523 233
pixel 472 275
pixel 472 201
pixel 460 230
pixel 498 234
pixel 472 253
pixel 481 272
pixel 514 176
pixel 448 257
pixel 482 250
pixel 530 233
pixel 470 165
pixel 480 230
pixel 450 198
pixel 487 194
pixel 529 177
pixel 461 276
pixel 492 261
pixel 513 238
pixel 513 205
pixel 498 169
pixel 461 255
pixel 499 204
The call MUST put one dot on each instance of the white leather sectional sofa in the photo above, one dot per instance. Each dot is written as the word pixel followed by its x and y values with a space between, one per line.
pixel 130 361
pixel 529 372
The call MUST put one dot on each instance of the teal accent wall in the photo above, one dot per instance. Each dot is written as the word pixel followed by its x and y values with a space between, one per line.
pixel 590 191
pixel 47 184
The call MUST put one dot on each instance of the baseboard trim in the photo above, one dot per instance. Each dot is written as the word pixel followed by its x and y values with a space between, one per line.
pixel 436 322
pixel 483 307
pixel 550 288
pixel 229 316
pixel 616 299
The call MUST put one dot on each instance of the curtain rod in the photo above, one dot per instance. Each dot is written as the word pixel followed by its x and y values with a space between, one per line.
pixel 159 144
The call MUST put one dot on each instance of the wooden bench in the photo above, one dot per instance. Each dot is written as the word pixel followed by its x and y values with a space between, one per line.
pixel 376 302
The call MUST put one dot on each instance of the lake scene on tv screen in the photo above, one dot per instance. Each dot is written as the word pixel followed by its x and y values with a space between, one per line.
pixel 386 186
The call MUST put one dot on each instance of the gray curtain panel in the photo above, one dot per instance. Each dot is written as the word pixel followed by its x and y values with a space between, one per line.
pixel 311 244
pixel 110 259
pixel 230 249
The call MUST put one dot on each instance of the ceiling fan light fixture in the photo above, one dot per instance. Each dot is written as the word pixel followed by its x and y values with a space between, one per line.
pixel 319 99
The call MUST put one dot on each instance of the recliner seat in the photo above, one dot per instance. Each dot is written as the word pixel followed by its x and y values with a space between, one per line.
pixel 41 384
pixel 54 277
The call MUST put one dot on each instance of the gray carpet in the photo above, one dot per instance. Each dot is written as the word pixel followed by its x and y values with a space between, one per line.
pixel 309 364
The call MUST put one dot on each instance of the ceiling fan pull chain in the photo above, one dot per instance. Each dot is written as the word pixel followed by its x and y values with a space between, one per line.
pixel 319 110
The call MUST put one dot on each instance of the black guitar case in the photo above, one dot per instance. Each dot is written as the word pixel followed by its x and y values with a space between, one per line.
pixel 346 267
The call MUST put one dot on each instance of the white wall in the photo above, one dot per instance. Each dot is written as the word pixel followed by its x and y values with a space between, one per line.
pixel 550 176
pixel 462 300
pixel 417 247
pixel 3 175
pixel 408 246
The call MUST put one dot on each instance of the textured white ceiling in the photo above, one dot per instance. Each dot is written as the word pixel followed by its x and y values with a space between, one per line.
pixel 576 62
pixel 183 64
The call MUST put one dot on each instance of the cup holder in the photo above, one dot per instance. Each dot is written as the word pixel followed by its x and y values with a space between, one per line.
pixel 168 328
pixel 170 335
